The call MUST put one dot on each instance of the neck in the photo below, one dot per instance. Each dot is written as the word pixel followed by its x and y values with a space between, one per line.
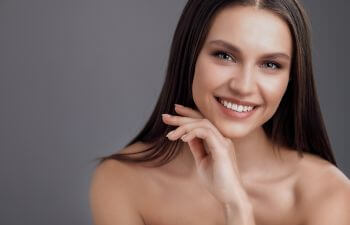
pixel 254 154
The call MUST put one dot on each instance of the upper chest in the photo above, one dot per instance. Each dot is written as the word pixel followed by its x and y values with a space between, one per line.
pixel 173 202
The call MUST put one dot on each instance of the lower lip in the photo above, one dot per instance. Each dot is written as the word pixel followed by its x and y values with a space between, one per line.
pixel 233 114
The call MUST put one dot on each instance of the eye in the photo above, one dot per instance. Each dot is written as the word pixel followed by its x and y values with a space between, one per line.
pixel 272 65
pixel 223 55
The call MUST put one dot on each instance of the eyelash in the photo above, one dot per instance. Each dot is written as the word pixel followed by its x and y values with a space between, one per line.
pixel 218 53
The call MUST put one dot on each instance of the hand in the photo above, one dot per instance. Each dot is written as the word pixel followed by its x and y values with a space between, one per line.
pixel 214 155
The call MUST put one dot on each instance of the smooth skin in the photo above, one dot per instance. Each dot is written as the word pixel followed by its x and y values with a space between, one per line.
pixel 227 172
pixel 216 164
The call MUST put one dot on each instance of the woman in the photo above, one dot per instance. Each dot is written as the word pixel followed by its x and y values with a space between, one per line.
pixel 247 144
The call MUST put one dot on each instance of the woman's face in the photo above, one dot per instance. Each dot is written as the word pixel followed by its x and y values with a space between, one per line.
pixel 246 57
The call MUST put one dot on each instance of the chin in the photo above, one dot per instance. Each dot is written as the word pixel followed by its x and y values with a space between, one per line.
pixel 234 131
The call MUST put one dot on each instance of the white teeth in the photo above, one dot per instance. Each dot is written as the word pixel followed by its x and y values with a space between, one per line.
pixel 235 107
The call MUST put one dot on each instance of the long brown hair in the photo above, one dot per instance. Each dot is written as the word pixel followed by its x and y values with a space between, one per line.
pixel 297 123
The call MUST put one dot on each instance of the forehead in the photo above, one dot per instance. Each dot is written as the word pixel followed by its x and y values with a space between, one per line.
pixel 251 28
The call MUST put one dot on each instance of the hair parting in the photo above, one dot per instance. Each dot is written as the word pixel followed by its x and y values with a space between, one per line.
pixel 297 123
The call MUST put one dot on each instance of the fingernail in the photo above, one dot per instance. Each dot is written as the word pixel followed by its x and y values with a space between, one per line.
pixel 166 115
pixel 180 106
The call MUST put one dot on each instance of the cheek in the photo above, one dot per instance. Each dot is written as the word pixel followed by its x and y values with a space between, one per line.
pixel 205 80
pixel 274 90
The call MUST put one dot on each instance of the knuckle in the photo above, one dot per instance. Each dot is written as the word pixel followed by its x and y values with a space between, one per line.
pixel 206 122
pixel 202 132
pixel 175 119
pixel 208 130
pixel 185 128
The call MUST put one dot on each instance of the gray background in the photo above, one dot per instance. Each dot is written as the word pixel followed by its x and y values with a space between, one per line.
pixel 79 78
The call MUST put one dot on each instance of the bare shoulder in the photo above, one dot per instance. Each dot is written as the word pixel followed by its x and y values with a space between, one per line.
pixel 116 170
pixel 324 192
pixel 113 193
pixel 315 169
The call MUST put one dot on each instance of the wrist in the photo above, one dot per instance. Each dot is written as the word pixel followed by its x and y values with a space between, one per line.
pixel 239 214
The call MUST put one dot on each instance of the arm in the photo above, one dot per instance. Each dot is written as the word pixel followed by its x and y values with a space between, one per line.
pixel 215 160
pixel 110 197
pixel 242 215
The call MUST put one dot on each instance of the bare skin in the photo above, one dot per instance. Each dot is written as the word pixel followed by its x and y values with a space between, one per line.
pixel 173 195
pixel 281 190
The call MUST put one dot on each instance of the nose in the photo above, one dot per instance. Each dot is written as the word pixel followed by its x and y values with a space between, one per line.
pixel 242 82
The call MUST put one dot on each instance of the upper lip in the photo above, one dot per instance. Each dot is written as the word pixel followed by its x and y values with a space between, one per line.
pixel 237 101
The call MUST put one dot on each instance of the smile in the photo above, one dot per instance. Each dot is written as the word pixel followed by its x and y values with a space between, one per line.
pixel 235 107
pixel 234 110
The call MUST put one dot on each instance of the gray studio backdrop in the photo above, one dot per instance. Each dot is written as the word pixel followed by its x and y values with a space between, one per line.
pixel 79 78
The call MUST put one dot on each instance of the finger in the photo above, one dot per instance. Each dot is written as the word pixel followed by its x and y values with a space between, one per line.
pixel 187 111
pixel 186 128
pixel 197 123
pixel 177 120
pixel 183 130
pixel 180 120
pixel 207 123
pixel 198 151
pixel 208 136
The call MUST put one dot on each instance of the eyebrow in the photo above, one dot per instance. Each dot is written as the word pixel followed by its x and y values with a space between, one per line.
pixel 234 48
